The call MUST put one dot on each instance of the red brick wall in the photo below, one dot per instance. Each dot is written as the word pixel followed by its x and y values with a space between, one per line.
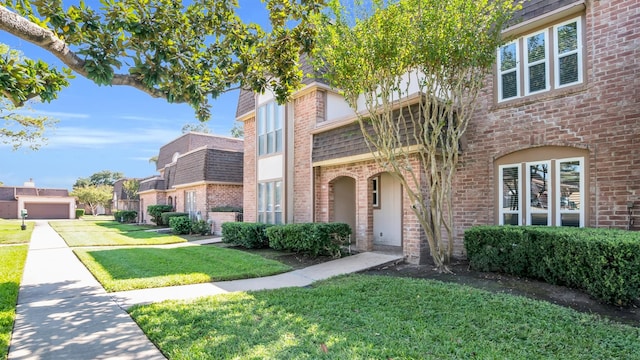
pixel 224 195
pixel 250 167
pixel 602 116
pixel 151 198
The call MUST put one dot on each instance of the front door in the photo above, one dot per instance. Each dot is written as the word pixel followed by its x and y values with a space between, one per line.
pixel 387 211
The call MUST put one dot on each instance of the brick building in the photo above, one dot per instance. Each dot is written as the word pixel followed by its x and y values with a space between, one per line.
pixel 196 173
pixel 555 140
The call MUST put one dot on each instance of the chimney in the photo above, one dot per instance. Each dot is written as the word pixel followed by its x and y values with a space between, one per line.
pixel 30 183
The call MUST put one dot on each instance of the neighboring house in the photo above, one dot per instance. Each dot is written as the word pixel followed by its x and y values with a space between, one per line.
pixel 196 173
pixel 39 203
pixel 121 200
pixel 555 140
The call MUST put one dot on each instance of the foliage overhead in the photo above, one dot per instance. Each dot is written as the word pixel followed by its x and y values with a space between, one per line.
pixel 104 177
pixel 412 70
pixel 131 187
pixel 182 52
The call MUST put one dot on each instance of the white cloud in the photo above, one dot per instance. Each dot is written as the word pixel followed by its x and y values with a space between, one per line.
pixel 79 137
pixel 60 115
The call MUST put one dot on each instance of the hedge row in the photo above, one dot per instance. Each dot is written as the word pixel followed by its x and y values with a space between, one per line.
pixel 156 211
pixel 181 224
pixel 603 262
pixel 310 238
pixel 125 216
pixel 166 216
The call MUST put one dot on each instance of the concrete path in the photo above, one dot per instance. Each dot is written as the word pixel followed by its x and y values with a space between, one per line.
pixel 64 313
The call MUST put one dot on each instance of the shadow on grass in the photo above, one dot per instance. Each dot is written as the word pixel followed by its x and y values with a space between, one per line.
pixel 63 320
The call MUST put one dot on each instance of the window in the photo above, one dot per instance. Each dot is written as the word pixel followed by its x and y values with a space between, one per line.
pixel 551 187
pixel 534 69
pixel 375 192
pixel 270 202
pixel 270 119
pixel 190 202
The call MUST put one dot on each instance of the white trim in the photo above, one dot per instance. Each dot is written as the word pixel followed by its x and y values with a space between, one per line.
pixel 528 65
pixel 549 181
pixel 516 69
pixel 501 210
pixel 580 211
pixel 578 51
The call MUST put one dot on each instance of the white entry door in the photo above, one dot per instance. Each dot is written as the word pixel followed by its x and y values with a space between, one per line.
pixel 387 215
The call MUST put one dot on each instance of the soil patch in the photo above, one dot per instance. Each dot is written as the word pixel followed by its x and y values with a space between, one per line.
pixel 502 283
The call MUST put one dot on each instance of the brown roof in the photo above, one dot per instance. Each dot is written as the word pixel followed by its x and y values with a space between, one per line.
pixel 209 164
pixel 191 141
pixel 10 192
pixel 534 8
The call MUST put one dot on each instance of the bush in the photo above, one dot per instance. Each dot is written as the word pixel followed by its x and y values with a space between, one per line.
pixel 125 216
pixel 180 225
pixel 603 262
pixel 201 227
pixel 166 216
pixel 79 213
pixel 310 238
pixel 155 212
pixel 248 235
pixel 227 208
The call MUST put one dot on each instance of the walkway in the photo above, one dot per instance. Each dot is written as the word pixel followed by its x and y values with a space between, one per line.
pixel 64 313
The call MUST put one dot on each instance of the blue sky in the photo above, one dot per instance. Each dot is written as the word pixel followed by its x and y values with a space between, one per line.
pixel 105 128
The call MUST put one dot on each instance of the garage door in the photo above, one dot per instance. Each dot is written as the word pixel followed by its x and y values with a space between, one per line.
pixel 47 211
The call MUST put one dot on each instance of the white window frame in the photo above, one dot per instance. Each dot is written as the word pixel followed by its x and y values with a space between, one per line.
pixel 502 195
pixel 190 205
pixel 268 208
pixel 516 69
pixel 558 209
pixel 375 192
pixel 578 51
pixel 528 65
pixel 550 181
pixel 270 120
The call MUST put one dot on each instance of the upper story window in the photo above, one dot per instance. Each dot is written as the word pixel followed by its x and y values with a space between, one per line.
pixel 545 60
pixel 270 120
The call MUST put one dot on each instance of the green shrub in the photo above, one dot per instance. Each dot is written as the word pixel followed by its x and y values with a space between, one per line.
pixel 248 235
pixel 79 213
pixel 603 262
pixel 201 227
pixel 180 225
pixel 227 208
pixel 166 216
pixel 125 216
pixel 155 212
pixel 310 238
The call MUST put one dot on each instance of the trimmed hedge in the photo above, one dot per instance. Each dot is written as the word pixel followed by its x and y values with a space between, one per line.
pixel 248 235
pixel 79 213
pixel 166 216
pixel 180 225
pixel 155 211
pixel 227 208
pixel 311 238
pixel 201 227
pixel 603 262
pixel 125 216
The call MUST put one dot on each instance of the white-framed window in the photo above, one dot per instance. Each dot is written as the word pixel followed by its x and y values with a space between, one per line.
pixel 510 199
pixel 568 53
pixel 570 199
pixel 532 74
pixel 553 193
pixel 375 192
pixel 270 202
pixel 270 120
pixel 536 77
pixel 508 71
pixel 190 202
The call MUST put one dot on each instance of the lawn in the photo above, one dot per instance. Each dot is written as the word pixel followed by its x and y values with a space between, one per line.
pixel 377 317
pixel 141 268
pixel 109 233
pixel 12 260
pixel 11 233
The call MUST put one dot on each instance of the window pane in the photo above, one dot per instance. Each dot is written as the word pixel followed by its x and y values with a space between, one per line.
pixel 567 37
pixel 278 219
pixel 570 173
pixel 262 217
pixel 279 140
pixel 278 117
pixel 508 57
pixel 539 179
pixel 509 85
pixel 568 69
pixel 269 197
pixel 539 219
pixel 572 219
pixel 510 190
pixel 261 144
pixel 271 139
pixel 510 219
pixel 261 198
pixel 535 48
pixel 261 120
pixel 270 119
pixel 278 196
pixel 537 77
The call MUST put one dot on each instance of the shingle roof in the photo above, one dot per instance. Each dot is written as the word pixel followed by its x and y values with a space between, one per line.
pixel 534 8
pixel 191 141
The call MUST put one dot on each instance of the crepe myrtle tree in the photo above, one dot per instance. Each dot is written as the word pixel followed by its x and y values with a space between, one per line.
pixel 93 195
pixel 182 52
pixel 377 53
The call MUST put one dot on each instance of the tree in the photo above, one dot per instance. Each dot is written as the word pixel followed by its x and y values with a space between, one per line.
pixel 21 78
pixel 441 50
pixel 94 196
pixel 196 127
pixel 104 177
pixel 153 160
pixel 237 131
pixel 182 53
pixel 131 187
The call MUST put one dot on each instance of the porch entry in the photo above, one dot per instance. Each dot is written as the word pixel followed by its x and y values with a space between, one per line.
pixel 344 203
pixel 387 210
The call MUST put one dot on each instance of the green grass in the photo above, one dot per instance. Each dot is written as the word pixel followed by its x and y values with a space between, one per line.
pixel 11 233
pixel 12 260
pixel 374 317
pixel 141 268
pixel 109 233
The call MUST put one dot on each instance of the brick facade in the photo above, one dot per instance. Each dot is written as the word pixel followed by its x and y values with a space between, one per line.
pixel 250 188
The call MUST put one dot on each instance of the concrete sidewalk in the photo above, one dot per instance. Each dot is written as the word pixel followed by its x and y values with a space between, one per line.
pixel 64 313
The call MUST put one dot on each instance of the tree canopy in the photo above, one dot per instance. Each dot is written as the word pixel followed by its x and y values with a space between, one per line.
pixel 104 177
pixel 182 52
